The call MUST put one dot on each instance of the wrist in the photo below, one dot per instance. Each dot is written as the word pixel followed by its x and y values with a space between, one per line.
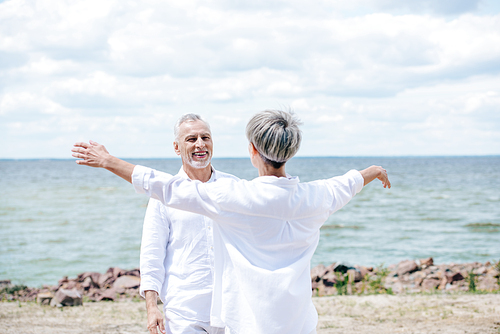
pixel 107 161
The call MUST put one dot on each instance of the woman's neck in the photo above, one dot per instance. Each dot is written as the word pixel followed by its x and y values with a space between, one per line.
pixel 267 170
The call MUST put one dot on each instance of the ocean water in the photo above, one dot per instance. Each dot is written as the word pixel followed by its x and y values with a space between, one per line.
pixel 59 219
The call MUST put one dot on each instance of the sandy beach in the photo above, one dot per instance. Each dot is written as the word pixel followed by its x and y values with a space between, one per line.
pixel 374 314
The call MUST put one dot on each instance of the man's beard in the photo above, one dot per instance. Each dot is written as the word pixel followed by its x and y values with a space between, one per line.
pixel 199 164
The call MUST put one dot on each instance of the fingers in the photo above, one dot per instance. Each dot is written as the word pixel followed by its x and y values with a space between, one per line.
pixel 384 178
pixel 78 150
pixel 162 326
pixel 82 144
pixel 152 329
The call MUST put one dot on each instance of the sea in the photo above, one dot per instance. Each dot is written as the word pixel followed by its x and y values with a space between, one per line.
pixel 60 219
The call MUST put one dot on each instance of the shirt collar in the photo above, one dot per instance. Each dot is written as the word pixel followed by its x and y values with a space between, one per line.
pixel 213 177
pixel 278 180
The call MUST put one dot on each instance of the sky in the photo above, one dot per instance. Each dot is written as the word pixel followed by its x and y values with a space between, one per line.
pixel 366 77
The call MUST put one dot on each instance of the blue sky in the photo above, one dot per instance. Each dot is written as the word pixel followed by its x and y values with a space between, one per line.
pixel 367 77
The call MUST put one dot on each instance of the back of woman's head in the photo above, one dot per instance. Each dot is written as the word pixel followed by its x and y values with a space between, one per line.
pixel 275 134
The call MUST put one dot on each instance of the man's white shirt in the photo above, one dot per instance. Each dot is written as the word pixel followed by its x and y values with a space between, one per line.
pixel 265 233
pixel 177 257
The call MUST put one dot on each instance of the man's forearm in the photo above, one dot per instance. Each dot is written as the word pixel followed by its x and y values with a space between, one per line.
pixel 120 167
pixel 151 299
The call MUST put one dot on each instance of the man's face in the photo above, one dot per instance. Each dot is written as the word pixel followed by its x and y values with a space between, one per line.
pixel 195 144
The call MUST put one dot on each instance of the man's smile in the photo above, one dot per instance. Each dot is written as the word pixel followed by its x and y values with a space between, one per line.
pixel 201 154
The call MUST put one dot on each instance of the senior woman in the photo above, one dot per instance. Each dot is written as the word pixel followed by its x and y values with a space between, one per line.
pixel 266 230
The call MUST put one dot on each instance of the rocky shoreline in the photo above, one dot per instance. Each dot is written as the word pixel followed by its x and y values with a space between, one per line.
pixel 406 277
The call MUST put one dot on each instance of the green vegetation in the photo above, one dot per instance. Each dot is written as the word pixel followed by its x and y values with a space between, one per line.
pixel 10 290
pixel 472 281
pixel 341 286
pixel 375 284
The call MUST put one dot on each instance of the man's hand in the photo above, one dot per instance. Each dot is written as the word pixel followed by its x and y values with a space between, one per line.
pixel 376 172
pixel 96 155
pixel 155 318
pixel 92 154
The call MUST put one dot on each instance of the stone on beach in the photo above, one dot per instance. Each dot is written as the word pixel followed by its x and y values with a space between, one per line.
pixel 65 297
pixel 406 267
pixel 44 298
pixel 126 282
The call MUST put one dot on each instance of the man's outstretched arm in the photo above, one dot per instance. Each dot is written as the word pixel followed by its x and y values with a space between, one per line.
pixel 96 155
pixel 376 172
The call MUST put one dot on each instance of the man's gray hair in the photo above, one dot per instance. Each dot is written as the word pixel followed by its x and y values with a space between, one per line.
pixel 187 118
pixel 275 134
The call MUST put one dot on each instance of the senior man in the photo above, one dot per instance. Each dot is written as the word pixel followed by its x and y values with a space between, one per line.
pixel 177 256
pixel 266 230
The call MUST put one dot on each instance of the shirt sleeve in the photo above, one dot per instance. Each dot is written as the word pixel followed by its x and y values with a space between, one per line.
pixel 175 191
pixel 344 188
pixel 155 235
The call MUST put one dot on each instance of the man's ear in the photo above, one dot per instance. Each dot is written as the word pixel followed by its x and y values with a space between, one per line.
pixel 176 148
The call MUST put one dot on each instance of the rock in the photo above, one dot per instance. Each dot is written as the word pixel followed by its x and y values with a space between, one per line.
pixel 106 279
pixel 363 271
pixel 330 279
pixel 493 272
pixel 342 268
pixel 318 272
pixel 127 282
pixel 133 272
pixel 355 275
pixel 487 283
pixel 65 297
pixel 87 283
pixel 398 287
pixel 5 283
pixel 427 262
pixel 44 298
pixel 443 283
pixel 438 275
pixel 94 276
pixel 406 267
pixel 117 272
pixel 72 284
pixel 109 294
pixel 480 270
pixel 455 277
pixel 430 284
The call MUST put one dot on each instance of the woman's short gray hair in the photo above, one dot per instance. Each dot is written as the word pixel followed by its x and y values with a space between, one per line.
pixel 275 134
pixel 187 118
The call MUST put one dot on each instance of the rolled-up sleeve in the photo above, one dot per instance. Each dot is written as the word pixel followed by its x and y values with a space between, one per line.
pixel 155 235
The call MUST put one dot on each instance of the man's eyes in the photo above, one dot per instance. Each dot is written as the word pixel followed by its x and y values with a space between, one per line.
pixel 195 139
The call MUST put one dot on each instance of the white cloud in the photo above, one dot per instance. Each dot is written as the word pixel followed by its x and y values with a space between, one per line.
pixel 367 77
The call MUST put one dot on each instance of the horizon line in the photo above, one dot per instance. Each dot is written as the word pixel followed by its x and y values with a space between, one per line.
pixel 296 157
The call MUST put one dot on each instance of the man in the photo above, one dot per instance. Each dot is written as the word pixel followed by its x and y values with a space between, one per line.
pixel 266 230
pixel 177 246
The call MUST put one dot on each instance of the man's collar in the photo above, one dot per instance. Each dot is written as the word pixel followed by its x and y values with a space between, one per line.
pixel 213 177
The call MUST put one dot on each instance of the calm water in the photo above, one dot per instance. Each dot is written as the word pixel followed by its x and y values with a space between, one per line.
pixel 58 218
